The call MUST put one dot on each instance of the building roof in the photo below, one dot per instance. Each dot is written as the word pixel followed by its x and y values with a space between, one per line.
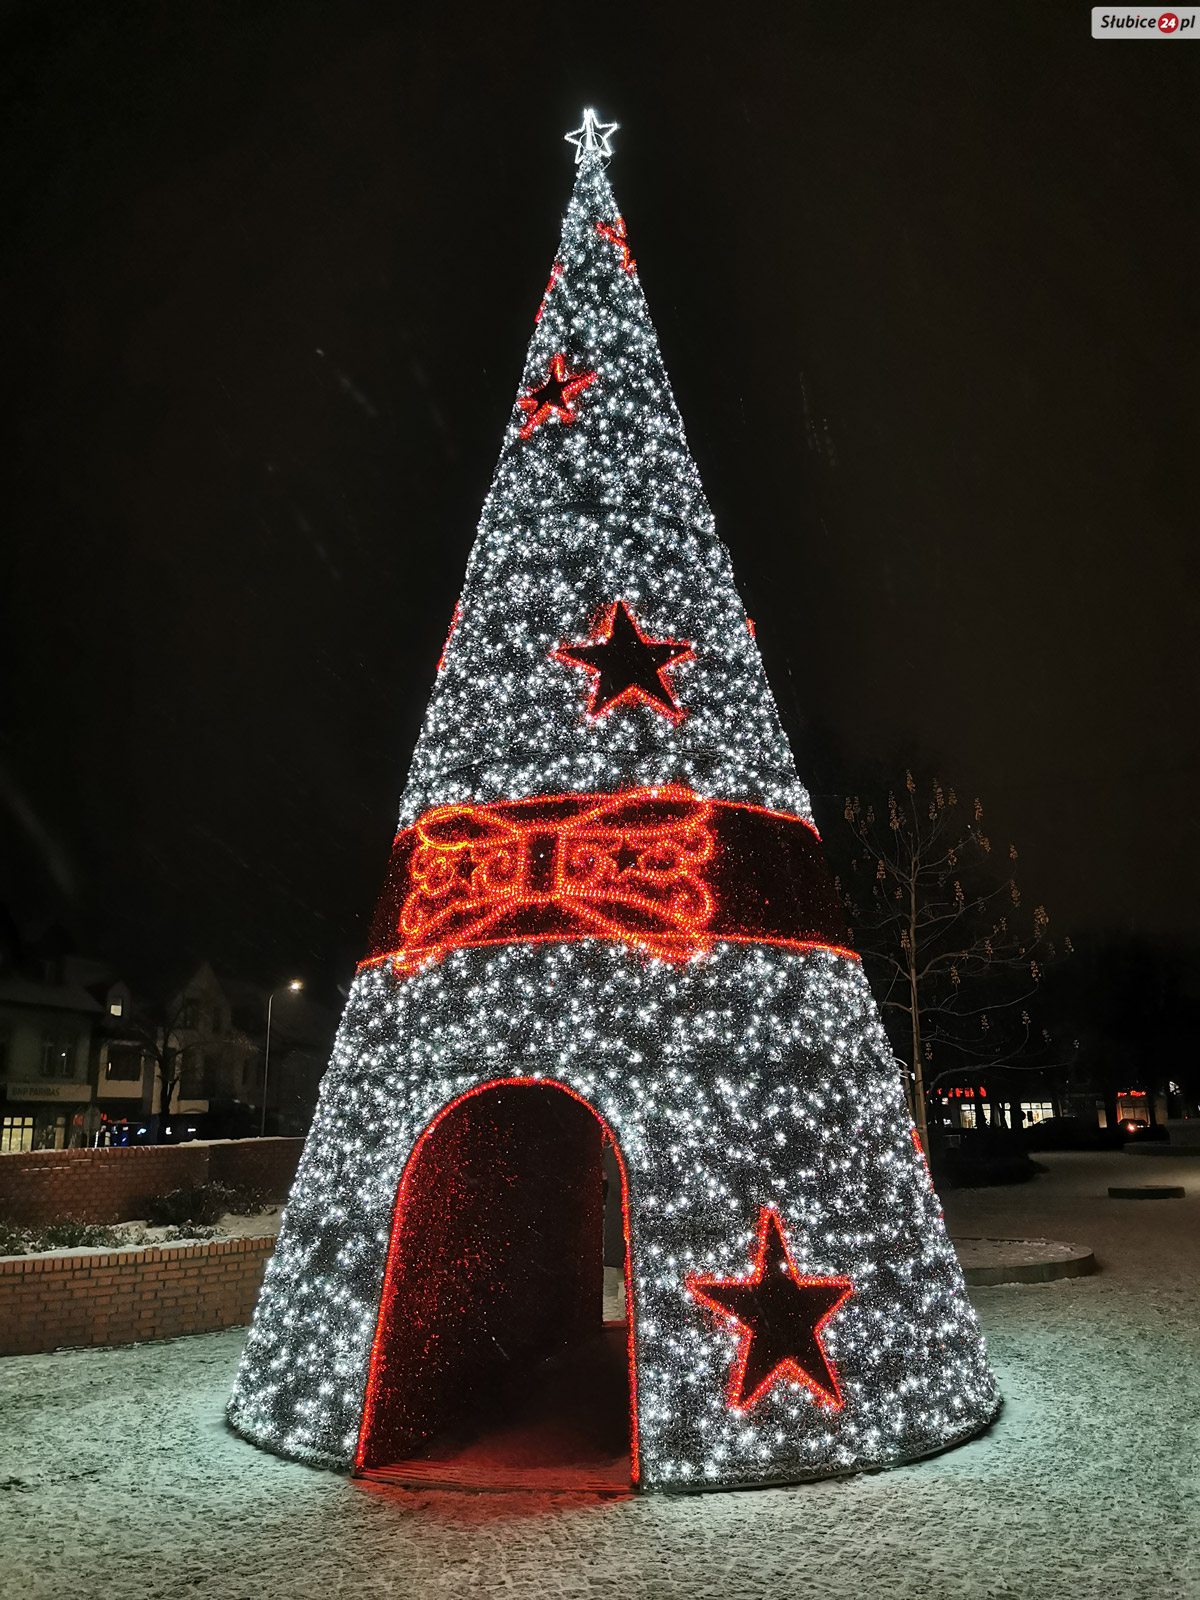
pixel 16 989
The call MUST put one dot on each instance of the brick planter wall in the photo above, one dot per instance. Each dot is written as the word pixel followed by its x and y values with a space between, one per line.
pixel 42 1186
pixel 47 1302
pixel 268 1165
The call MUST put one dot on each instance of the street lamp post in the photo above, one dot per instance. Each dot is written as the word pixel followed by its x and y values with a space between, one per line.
pixel 294 987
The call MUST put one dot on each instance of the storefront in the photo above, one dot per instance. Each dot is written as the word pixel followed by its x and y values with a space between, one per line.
pixel 44 1116
pixel 965 1106
pixel 1133 1108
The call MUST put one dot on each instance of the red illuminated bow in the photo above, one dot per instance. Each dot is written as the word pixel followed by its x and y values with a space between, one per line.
pixel 625 868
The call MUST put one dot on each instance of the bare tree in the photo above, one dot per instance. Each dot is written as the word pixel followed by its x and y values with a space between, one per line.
pixel 156 1026
pixel 939 921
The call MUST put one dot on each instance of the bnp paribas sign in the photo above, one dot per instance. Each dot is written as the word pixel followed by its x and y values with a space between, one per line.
pixel 1142 22
pixel 49 1091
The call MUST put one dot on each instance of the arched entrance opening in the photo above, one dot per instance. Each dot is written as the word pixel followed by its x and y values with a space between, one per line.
pixel 493 1364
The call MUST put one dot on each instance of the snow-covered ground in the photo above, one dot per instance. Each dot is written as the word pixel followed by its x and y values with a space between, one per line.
pixel 119 1480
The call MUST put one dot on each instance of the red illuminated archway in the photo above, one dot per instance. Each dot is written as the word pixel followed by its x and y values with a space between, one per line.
pixel 494 1264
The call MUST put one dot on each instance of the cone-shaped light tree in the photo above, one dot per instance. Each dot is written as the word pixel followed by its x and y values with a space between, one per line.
pixel 607 882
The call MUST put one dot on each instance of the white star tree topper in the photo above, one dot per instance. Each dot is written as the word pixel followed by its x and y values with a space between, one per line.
pixel 591 135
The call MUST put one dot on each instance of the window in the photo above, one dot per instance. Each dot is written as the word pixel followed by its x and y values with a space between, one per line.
pixel 1033 1111
pixel 1133 1106
pixel 966 1116
pixel 52 1135
pixel 191 1082
pixel 116 1007
pixel 56 1056
pixel 124 1065
pixel 16 1133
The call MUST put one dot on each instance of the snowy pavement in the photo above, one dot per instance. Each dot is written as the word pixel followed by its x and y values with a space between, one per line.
pixel 118 1478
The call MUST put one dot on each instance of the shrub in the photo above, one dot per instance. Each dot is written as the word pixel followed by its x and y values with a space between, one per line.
pixel 982 1157
pixel 68 1235
pixel 197 1202
pixel 248 1202
pixel 63 1235
pixel 13 1241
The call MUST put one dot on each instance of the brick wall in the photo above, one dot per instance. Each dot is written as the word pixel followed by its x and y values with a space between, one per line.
pixel 268 1165
pixel 48 1302
pixel 43 1186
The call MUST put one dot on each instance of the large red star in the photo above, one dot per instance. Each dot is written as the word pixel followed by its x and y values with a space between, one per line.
pixel 553 398
pixel 627 665
pixel 781 1315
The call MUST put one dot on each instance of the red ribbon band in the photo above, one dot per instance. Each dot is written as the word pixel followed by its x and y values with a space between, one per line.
pixel 661 869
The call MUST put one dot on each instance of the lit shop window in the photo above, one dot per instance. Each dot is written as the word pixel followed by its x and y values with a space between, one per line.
pixel 1133 1106
pixel 16 1133
pixel 1036 1111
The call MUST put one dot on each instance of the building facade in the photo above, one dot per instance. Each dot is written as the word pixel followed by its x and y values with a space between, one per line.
pixel 54 1015
pixel 82 1061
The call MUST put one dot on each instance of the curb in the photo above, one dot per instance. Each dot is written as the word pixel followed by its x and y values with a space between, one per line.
pixel 1076 1262
pixel 1149 1191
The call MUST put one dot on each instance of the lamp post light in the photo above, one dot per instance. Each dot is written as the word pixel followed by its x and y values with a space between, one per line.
pixel 294 987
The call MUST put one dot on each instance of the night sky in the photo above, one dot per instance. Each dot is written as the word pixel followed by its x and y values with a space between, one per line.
pixel 924 278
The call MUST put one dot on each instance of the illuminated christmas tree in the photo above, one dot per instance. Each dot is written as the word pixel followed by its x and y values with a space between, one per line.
pixel 607 915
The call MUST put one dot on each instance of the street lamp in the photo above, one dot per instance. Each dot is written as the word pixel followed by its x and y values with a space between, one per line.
pixel 294 987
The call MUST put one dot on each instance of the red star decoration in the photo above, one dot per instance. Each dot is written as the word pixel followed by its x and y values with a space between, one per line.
pixel 554 397
pixel 627 665
pixel 555 275
pixel 454 621
pixel 781 1315
pixel 614 232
